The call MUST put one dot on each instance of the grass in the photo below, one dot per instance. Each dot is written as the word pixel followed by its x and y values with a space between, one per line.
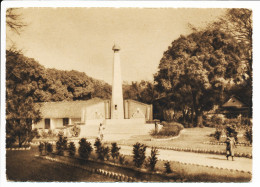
pixel 23 166
pixel 189 138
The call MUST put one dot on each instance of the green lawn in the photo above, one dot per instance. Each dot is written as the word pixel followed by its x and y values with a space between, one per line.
pixel 189 138
pixel 24 166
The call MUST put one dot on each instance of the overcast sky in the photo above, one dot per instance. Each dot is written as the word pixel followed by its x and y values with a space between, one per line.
pixel 82 38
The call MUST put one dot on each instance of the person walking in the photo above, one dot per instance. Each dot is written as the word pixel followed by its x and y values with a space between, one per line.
pixel 230 145
pixel 100 131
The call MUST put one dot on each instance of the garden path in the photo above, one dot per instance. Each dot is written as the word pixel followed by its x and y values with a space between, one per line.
pixel 242 164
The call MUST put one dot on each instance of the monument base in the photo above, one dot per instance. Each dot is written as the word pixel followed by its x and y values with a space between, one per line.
pixel 117 129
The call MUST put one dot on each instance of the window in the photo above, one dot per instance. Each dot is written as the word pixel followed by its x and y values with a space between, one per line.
pixel 47 123
pixel 65 121
pixel 115 107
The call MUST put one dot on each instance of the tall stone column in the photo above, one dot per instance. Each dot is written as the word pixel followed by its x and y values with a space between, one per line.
pixel 117 111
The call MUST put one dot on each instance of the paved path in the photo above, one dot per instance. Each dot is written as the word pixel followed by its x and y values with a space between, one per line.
pixel 242 164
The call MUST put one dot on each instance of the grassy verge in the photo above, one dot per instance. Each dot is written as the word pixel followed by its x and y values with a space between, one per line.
pixel 193 138
pixel 23 166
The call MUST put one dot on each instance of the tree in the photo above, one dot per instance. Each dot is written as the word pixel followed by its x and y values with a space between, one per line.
pixel 14 20
pixel 238 23
pixel 85 148
pixel 196 68
pixel 115 150
pixel 72 149
pixel 143 91
pixel 22 77
pixel 139 154
pixel 61 145
pixel 153 158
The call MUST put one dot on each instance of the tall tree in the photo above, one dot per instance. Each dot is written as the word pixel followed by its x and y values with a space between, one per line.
pixel 22 77
pixel 197 67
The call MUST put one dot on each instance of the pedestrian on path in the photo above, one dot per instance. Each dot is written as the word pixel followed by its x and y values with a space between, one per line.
pixel 230 145
pixel 100 131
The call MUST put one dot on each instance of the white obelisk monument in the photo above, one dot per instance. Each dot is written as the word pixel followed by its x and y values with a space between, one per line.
pixel 117 110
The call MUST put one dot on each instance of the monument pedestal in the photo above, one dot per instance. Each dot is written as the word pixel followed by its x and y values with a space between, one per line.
pixel 117 129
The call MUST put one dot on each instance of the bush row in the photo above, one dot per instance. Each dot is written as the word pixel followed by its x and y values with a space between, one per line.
pixel 104 152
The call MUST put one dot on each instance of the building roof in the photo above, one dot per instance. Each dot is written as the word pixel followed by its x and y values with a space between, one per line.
pixel 234 102
pixel 66 109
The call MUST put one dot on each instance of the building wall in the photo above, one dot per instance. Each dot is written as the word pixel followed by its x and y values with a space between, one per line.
pixel 131 108
pixel 96 111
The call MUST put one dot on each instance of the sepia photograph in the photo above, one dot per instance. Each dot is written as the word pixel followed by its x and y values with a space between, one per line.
pixel 128 94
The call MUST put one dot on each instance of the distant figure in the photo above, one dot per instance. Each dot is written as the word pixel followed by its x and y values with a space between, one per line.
pixel 230 145
pixel 100 131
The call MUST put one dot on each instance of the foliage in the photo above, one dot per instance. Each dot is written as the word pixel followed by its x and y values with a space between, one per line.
pixel 75 131
pixel 14 20
pixel 139 154
pixel 196 69
pixel 85 148
pixel 153 158
pixel 169 129
pixel 72 149
pixel 115 150
pixel 41 147
pixel 143 91
pixel 103 152
pixel 22 77
pixel 217 134
pixel 97 144
pixel 121 159
pixel 10 140
pixel 167 167
pixel 61 145
pixel 231 131
pixel 44 134
pixel 249 134
pixel 49 148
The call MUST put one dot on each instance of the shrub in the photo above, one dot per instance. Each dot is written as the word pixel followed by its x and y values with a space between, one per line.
pixel 167 167
pixel 169 129
pixel 49 148
pixel 50 133
pixel 61 145
pixel 34 133
pixel 217 134
pixel 102 151
pixel 97 144
pixel 231 131
pixel 121 159
pixel 72 149
pixel 10 140
pixel 41 146
pixel 75 131
pixel 152 160
pixel 139 154
pixel 248 134
pixel 115 150
pixel 85 148
pixel 44 134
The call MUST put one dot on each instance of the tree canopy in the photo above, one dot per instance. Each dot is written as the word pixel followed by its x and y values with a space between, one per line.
pixel 196 68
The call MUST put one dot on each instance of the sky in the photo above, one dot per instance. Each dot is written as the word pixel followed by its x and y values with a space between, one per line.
pixel 82 38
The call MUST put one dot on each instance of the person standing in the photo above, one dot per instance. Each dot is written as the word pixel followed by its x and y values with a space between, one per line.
pixel 101 131
pixel 230 145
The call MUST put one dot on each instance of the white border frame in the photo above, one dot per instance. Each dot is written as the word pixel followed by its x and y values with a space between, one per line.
pixel 138 4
